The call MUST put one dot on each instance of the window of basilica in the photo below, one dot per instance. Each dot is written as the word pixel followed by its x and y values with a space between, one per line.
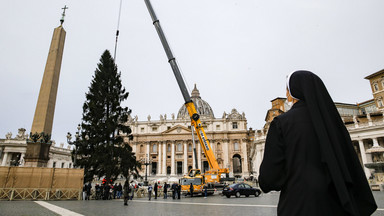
pixel 236 146
pixel 179 147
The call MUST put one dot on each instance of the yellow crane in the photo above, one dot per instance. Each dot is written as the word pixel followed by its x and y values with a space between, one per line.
pixel 215 174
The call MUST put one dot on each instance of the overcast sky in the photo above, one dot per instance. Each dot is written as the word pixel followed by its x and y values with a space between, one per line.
pixel 238 52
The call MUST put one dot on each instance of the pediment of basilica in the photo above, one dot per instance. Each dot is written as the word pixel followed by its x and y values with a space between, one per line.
pixel 177 129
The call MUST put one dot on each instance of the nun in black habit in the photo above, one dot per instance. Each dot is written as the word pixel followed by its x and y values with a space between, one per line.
pixel 309 156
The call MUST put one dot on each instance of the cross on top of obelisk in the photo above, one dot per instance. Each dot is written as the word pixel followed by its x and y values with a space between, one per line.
pixel 63 14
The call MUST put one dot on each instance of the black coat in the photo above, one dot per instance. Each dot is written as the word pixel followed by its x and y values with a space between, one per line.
pixel 127 190
pixel 292 165
pixel 89 188
pixel 310 157
pixel 174 187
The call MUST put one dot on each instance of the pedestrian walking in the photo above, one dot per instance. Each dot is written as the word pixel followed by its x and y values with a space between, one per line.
pixel 114 188
pixel 205 190
pixel 85 192
pixel 191 189
pixel 89 188
pixel 310 158
pixel 155 189
pixel 110 192
pixel 126 191
pixel 133 188
pixel 106 191
pixel 149 192
pixel 165 190
pixel 174 190
pixel 119 190
pixel 98 192
pixel 178 191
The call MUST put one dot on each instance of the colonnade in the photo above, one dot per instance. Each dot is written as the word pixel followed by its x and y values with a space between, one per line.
pixel 364 146
pixel 6 161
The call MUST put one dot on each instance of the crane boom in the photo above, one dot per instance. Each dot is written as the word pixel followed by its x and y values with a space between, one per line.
pixel 195 117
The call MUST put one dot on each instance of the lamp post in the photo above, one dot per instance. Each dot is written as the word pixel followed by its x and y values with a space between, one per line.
pixel 146 161
pixel 77 141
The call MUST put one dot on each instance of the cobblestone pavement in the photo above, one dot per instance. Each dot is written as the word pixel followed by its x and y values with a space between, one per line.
pixel 265 205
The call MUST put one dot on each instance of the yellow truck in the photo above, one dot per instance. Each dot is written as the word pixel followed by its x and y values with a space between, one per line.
pixel 197 179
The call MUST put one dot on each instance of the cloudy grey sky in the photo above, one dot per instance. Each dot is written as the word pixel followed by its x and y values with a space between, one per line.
pixel 238 52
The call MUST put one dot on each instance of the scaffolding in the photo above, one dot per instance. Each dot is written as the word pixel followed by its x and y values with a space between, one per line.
pixel 37 183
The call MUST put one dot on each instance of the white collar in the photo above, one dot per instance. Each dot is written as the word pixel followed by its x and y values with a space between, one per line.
pixel 289 89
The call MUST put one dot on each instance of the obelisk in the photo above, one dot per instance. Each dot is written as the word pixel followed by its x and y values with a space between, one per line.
pixel 37 154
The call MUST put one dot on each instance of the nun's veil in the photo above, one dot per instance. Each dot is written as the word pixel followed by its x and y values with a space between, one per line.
pixel 336 149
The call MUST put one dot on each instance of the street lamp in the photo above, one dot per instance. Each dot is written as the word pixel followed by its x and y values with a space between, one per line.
pixel 146 161
pixel 77 141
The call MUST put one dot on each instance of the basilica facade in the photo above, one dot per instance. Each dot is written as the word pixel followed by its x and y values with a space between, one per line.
pixel 167 144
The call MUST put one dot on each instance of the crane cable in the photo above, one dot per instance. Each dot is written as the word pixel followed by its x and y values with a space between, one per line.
pixel 117 31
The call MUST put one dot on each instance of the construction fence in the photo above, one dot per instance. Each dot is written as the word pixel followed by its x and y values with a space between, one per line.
pixel 37 183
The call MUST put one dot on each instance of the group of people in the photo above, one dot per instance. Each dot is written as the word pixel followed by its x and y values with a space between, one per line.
pixel 108 191
pixel 175 188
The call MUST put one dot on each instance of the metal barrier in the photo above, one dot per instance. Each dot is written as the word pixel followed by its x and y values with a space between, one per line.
pixel 39 194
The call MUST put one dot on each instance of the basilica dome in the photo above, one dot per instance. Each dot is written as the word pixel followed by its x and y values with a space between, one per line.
pixel 202 107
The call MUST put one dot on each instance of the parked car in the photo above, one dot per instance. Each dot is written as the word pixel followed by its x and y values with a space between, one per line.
pixel 240 189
